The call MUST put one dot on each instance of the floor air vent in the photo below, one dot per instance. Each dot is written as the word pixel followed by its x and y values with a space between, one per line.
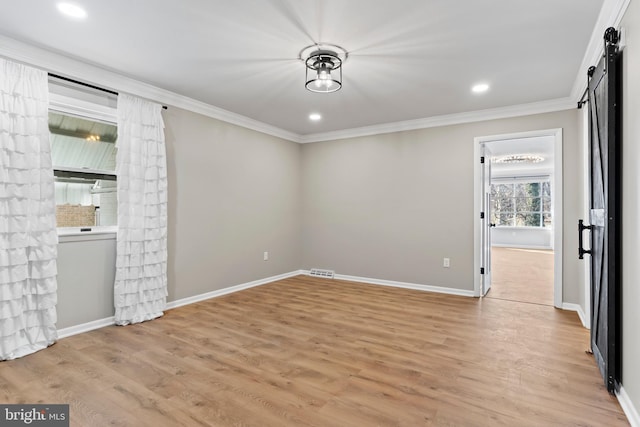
pixel 316 272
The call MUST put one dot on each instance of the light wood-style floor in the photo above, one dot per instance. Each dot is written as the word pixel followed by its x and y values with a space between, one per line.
pixel 524 275
pixel 322 352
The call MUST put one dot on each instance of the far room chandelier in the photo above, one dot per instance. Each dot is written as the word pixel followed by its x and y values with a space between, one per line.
pixel 323 67
pixel 519 158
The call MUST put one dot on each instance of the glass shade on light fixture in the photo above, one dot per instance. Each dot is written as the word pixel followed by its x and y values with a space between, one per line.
pixel 323 72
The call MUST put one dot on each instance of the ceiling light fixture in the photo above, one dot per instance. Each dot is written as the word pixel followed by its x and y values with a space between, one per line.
pixel 323 67
pixel 480 88
pixel 72 10
pixel 315 117
pixel 518 158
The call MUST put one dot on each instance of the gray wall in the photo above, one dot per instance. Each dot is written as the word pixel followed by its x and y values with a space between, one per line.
pixel 393 206
pixel 631 207
pixel 369 208
pixel 522 237
pixel 233 194
pixel 86 271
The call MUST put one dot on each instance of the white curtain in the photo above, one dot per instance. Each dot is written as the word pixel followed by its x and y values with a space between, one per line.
pixel 28 237
pixel 140 291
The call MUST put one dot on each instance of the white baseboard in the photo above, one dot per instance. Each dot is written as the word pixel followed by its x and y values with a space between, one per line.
pixel 578 309
pixel 101 323
pixel 229 290
pixel 629 409
pixel 404 285
pixel 86 327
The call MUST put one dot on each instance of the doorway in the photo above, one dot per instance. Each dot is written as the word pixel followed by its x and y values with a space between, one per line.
pixel 518 248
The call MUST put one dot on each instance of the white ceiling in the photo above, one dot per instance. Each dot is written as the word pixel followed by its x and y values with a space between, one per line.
pixel 408 59
pixel 538 146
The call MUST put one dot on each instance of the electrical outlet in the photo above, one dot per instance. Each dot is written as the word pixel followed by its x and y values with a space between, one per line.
pixel 446 263
pixel 266 256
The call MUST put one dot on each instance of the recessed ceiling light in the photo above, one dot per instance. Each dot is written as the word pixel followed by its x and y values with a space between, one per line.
pixel 315 117
pixel 72 10
pixel 480 87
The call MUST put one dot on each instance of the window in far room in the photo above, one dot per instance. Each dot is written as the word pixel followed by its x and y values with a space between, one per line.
pixel 521 203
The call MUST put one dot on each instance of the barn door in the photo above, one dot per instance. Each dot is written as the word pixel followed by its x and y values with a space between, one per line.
pixel 604 218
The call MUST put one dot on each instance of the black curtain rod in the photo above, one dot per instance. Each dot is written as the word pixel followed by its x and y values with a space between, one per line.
pixel 56 76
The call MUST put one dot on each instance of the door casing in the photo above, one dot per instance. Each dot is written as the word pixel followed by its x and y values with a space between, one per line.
pixel 485 223
pixel 556 200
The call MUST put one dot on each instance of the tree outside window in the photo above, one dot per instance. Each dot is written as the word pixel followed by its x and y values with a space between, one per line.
pixel 521 204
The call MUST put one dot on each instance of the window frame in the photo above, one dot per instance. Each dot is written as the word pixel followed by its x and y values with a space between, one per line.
pixel 514 181
pixel 83 107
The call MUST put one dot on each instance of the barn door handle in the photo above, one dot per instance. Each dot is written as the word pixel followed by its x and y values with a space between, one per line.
pixel 581 250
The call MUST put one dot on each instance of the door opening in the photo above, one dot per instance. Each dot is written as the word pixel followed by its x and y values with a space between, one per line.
pixel 519 203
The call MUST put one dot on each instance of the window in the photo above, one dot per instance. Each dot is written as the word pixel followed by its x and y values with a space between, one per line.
pixel 521 203
pixel 84 158
pixel 82 123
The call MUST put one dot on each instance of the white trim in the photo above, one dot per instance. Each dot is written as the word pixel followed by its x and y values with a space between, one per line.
pixel 107 233
pixel 73 68
pixel 86 327
pixel 557 183
pixel 404 285
pixel 511 178
pixel 85 171
pixel 477 225
pixel 101 323
pixel 629 409
pixel 611 15
pixel 524 227
pixel 506 245
pixel 549 106
pixel 218 113
pixel 229 290
pixel 578 309
pixel 79 107
pixel 586 195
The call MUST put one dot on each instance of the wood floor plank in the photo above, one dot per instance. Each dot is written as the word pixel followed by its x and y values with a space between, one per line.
pixel 524 275
pixel 318 352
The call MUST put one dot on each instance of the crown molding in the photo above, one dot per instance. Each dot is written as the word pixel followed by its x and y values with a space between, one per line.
pixel 69 67
pixel 612 12
pixel 552 105
pixel 611 15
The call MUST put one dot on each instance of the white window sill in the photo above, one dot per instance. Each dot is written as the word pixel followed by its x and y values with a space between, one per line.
pixel 73 234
